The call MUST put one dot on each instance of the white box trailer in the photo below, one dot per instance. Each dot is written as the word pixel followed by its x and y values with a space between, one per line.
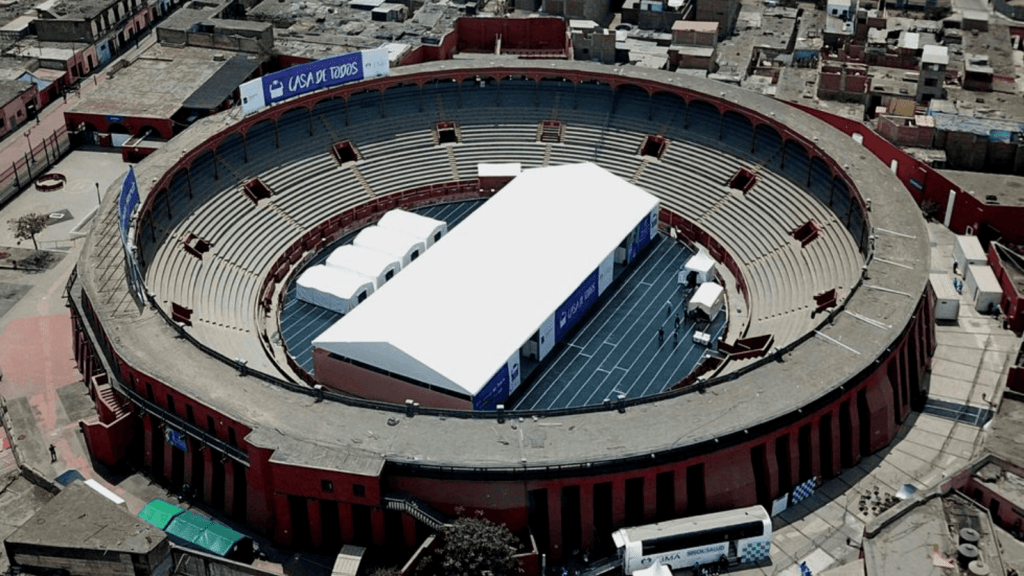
pixel 947 300
pixel 967 251
pixel 984 288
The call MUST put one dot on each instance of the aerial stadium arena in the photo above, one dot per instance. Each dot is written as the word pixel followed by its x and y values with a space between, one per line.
pixel 210 379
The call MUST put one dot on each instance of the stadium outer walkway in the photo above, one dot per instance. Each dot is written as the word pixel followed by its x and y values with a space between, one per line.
pixel 969 369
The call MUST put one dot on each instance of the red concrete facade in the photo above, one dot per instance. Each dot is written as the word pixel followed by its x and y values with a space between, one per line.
pixel 1009 274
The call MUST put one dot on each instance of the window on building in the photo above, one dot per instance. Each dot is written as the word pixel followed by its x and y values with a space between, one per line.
pixel 210 426
pixel 931 82
pixel 231 437
pixel 189 414
pixel 358 490
pixel 327 486
pixel 170 403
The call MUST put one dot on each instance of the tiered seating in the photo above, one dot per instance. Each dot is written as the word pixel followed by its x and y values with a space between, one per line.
pixel 497 124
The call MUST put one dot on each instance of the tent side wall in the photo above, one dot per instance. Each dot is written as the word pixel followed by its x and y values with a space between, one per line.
pixel 365 383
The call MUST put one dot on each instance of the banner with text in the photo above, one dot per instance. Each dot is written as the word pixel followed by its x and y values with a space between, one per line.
pixel 298 80
pixel 126 203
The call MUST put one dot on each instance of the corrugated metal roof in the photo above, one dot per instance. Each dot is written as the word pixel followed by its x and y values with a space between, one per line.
pixel 219 87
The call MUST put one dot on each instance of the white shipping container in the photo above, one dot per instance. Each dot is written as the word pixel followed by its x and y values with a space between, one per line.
pixel 983 287
pixel 947 300
pixel 967 251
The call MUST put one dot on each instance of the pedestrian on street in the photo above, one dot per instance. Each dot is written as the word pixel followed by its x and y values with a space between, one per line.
pixel 53 453
pixel 661 336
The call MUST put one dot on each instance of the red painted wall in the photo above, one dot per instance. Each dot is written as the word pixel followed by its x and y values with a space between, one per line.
pixel 135 125
pixel 925 184
pixel 1012 302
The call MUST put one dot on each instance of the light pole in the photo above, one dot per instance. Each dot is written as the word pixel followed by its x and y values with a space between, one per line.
pixel 98 201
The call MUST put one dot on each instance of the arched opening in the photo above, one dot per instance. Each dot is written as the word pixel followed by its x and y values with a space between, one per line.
pixel 704 119
pixel 737 131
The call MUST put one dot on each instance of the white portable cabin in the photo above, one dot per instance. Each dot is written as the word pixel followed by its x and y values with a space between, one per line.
pixel 983 287
pixel 967 251
pixel 400 245
pixel 709 299
pixel 332 288
pixel 423 227
pixel 380 267
pixel 703 264
pixel 947 299
pixel 496 170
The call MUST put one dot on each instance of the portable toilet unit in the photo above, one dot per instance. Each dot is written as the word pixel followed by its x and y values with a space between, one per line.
pixel 336 289
pixel 947 299
pixel 967 251
pixel 707 300
pixel 425 228
pixel 380 267
pixel 701 264
pixel 984 288
pixel 400 245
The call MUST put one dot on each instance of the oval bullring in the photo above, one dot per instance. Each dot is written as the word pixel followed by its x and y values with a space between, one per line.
pixel 202 356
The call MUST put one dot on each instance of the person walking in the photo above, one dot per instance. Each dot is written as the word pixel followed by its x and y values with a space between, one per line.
pixel 53 453
pixel 661 336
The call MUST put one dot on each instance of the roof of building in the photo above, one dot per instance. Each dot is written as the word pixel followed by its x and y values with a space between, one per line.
pixel 494 280
pixel 990 127
pixel 79 517
pixel 903 540
pixel 13 89
pixel 219 86
pixel 163 79
pixel 695 26
pixel 1007 188
pixel 933 54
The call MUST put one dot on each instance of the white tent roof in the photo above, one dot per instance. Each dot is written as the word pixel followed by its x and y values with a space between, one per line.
pixel 339 282
pixel 473 300
pixel 700 262
pixel 706 296
pixel 393 242
pixel 413 224
pixel 361 260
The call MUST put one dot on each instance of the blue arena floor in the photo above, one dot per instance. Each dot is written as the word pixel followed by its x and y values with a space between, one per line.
pixel 302 322
pixel 617 350
pixel 614 351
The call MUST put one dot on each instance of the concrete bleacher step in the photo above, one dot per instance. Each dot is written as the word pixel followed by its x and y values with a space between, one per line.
pixel 358 174
pixel 452 164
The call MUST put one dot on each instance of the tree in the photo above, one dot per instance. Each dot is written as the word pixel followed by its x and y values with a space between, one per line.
pixel 471 546
pixel 27 226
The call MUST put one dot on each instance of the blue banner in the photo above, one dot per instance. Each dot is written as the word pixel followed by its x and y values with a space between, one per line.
pixel 126 203
pixel 312 76
pixel 304 78
pixel 570 312
pixel 494 393
pixel 643 238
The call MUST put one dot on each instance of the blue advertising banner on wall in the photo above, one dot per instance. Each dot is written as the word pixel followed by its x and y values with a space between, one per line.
pixel 317 75
pixel 570 312
pixel 495 392
pixel 126 203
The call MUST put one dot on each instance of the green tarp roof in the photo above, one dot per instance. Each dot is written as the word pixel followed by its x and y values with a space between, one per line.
pixel 191 528
pixel 188 526
pixel 219 539
pixel 159 513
